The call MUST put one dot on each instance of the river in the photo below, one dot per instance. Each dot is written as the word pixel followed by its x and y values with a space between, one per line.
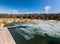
pixel 34 32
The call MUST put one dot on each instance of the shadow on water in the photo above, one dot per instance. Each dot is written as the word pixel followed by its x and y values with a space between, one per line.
pixel 18 39
pixel 21 40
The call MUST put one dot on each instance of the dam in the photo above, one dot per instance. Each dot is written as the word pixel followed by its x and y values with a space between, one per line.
pixel 35 32
pixel 29 32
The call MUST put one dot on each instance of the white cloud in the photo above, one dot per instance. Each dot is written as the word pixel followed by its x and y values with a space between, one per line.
pixel 8 11
pixel 47 8
pixel 15 11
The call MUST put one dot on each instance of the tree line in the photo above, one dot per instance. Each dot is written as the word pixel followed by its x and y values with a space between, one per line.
pixel 32 16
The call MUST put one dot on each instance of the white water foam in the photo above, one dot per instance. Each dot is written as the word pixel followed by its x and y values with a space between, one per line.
pixel 40 28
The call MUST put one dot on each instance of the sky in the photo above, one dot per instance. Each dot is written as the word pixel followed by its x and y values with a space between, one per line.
pixel 29 6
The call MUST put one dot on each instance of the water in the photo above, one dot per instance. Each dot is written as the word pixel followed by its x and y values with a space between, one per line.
pixel 35 32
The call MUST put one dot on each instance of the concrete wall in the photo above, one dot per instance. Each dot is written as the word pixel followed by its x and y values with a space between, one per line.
pixel 5 37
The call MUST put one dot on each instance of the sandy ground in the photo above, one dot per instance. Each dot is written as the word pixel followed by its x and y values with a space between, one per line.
pixel 5 37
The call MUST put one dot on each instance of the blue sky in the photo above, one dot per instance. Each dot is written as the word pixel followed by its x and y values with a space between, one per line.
pixel 29 6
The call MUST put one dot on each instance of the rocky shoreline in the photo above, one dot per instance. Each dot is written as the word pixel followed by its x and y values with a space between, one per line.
pixel 4 21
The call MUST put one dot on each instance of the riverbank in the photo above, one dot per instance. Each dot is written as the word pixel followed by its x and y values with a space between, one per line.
pixel 4 21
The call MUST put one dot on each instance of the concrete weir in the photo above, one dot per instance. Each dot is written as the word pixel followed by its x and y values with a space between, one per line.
pixel 6 37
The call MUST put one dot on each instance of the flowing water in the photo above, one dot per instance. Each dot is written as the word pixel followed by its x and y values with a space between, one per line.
pixel 35 32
